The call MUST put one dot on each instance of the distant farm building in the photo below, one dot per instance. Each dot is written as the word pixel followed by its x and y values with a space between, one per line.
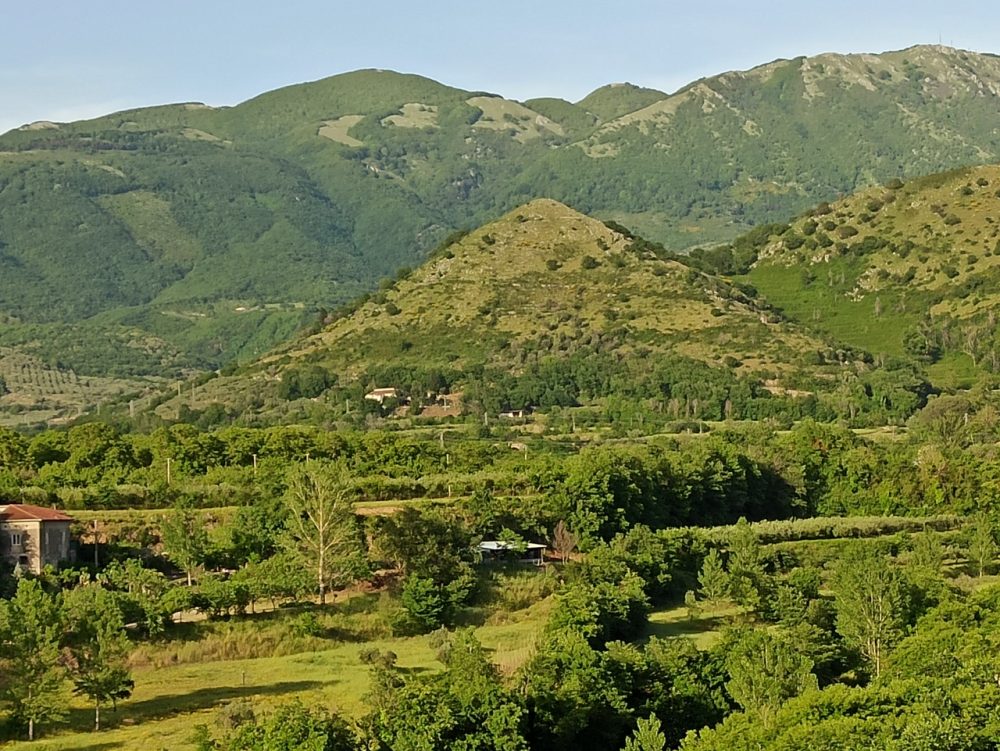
pixel 516 414
pixel 442 405
pixel 32 537
pixel 380 395
pixel 500 551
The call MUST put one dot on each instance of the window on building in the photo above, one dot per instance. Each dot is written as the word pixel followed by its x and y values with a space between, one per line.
pixel 15 539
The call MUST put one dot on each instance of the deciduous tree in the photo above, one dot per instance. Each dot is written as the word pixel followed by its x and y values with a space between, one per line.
pixel 321 521
pixel 98 650
pixel 185 539
pixel 982 543
pixel 872 603
pixel 30 672
pixel 564 541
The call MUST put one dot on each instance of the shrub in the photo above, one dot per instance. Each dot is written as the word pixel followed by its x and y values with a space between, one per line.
pixel 424 602
pixel 794 242
pixel 307 624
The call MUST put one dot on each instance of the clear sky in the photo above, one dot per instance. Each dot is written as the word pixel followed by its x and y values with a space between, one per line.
pixel 69 59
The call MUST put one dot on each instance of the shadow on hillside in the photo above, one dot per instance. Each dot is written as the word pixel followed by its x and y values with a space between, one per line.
pixel 168 705
pixel 686 627
pixel 95 746
pixel 100 746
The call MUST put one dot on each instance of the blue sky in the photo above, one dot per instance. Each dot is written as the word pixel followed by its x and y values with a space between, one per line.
pixel 67 59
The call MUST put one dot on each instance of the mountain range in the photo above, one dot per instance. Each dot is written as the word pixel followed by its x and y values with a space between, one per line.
pixel 152 243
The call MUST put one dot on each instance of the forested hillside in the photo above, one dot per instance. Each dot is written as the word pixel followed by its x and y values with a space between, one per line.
pixel 548 309
pixel 209 235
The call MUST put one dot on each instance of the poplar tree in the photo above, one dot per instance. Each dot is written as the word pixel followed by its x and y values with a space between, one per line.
pixel 322 524
pixel 872 603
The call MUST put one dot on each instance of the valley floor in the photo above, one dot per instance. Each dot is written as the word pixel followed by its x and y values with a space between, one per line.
pixel 169 702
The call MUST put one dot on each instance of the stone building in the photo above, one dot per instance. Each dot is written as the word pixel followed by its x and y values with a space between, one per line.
pixel 34 537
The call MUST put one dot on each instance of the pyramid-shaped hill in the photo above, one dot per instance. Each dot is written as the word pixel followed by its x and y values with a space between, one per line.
pixel 546 279
pixel 541 284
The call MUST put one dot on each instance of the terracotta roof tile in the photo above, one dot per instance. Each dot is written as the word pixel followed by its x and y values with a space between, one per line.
pixel 27 512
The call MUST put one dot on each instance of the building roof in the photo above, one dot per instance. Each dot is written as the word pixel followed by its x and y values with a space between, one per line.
pixel 503 545
pixel 24 512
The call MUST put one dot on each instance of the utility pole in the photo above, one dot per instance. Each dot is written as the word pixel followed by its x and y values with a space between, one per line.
pixel 168 470
pixel 255 466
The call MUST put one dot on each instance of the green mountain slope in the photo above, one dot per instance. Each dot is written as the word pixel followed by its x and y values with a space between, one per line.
pixel 547 307
pixel 617 99
pixel 908 269
pixel 215 233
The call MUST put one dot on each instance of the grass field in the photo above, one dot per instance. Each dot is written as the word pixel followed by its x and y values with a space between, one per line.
pixel 704 628
pixel 830 309
pixel 170 701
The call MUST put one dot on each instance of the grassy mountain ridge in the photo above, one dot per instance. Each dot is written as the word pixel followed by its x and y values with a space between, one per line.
pixel 617 99
pixel 548 307
pixel 545 267
pixel 902 269
pixel 180 219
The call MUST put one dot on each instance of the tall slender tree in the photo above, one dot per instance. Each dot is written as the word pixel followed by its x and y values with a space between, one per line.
pixel 322 523
pixel 982 543
pixel 872 603
pixel 185 539
pixel 98 648
pixel 713 582
pixel 564 541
